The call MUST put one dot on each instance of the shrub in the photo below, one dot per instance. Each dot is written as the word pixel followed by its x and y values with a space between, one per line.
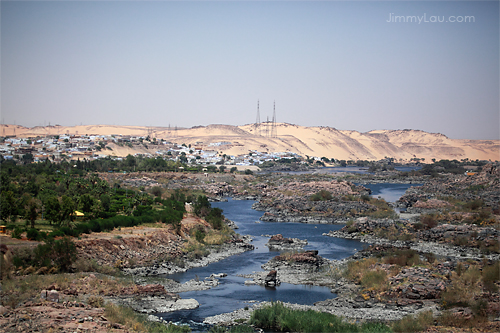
pixel 375 280
pixel 32 234
pixel 22 257
pixel 428 221
pixel 416 323
pixel 200 235
pixel 60 253
pixel 474 205
pixel 95 301
pixel 322 195
pixel 138 322
pixel 405 257
pixel 479 308
pixel 280 318
pixel 55 233
pixel 463 288
pixel 490 277
pixel 16 233
pixel 356 269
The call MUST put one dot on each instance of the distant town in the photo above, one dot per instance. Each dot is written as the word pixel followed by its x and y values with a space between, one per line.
pixel 58 148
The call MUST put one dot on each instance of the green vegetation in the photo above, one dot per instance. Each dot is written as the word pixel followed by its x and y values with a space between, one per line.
pixel 232 329
pixel 414 323
pixel 203 209
pixel 58 254
pixel 138 322
pixel 322 195
pixel 53 192
pixel 280 318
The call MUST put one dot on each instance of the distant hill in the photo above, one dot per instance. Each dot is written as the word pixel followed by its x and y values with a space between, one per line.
pixel 312 141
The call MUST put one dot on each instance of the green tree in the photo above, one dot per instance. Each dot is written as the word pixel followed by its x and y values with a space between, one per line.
pixel 85 203
pixel 67 208
pixel 53 209
pixel 106 202
pixel 130 160
pixel 31 211
pixel 7 205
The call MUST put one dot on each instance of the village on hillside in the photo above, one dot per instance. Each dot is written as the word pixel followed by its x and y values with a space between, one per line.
pixel 92 147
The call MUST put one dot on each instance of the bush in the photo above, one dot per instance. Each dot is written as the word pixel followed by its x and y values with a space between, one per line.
pixel 402 258
pixel 138 322
pixel 56 233
pixel 463 288
pixel 491 276
pixel 280 318
pixel 375 280
pixel 60 253
pixel 428 221
pixel 474 205
pixel 16 233
pixel 322 195
pixel 356 269
pixel 95 301
pixel 32 234
pixel 200 235
pixel 416 323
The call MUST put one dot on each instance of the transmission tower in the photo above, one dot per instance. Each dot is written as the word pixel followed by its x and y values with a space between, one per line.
pixel 274 131
pixel 257 121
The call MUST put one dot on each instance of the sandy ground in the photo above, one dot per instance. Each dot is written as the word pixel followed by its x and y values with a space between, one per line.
pixel 312 141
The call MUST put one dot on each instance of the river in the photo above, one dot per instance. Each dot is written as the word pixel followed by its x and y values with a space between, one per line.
pixel 232 293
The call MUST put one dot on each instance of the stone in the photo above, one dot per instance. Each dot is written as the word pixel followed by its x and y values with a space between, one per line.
pixel 271 279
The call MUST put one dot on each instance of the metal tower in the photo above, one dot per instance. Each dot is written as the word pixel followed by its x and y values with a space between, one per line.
pixel 274 132
pixel 257 121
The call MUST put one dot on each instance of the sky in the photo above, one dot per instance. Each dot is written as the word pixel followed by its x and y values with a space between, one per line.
pixel 362 65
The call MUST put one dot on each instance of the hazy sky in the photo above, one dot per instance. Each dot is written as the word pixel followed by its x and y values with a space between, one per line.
pixel 329 63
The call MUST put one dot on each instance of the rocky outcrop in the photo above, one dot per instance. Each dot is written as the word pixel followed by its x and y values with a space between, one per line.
pixel 296 202
pixel 294 268
pixel 280 243
pixel 127 251
pixel 149 304
pixel 484 186
pixel 217 252
pixel 439 240
pixel 306 211
pixel 271 279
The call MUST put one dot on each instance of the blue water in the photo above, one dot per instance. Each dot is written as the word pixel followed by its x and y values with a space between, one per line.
pixel 232 293
pixel 347 169
pixel 389 192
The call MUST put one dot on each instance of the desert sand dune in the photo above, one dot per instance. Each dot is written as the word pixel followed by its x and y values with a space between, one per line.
pixel 311 141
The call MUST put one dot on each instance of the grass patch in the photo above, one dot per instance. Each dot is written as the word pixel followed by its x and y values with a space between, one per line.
pixel 127 317
pixel 414 323
pixel 217 237
pixel 232 329
pixel 405 257
pixel 195 250
pixel 383 209
pixel 356 269
pixel 19 290
pixel 280 318
pixel 375 280
pixel 464 288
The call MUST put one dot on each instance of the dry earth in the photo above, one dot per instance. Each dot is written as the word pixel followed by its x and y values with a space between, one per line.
pixel 312 141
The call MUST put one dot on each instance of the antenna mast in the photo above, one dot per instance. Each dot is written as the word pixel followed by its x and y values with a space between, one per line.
pixel 257 121
pixel 274 132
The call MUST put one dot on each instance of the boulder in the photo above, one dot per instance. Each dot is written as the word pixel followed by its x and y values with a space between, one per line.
pixel 271 279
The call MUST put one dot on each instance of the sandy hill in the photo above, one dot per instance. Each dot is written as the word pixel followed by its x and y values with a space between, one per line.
pixel 312 141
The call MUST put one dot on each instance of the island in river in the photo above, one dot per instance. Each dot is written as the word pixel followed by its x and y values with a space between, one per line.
pixel 441 255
